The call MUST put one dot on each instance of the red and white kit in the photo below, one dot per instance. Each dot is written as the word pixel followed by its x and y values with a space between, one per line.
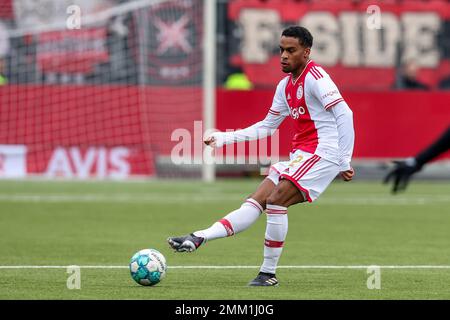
pixel 322 143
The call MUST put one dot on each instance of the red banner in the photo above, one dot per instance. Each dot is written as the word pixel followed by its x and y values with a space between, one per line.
pixel 169 35
pixel 359 43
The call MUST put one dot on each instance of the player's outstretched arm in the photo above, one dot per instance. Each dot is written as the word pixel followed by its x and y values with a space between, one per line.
pixel 259 130
pixel 275 116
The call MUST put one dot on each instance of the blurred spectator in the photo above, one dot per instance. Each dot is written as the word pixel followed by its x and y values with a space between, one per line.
pixel 4 51
pixel 237 80
pixel 408 77
pixel 3 79
pixel 120 67
pixel 445 83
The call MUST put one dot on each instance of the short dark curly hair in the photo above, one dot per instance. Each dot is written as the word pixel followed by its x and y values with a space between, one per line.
pixel 302 34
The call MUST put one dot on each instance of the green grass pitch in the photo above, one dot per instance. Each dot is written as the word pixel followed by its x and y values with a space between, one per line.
pixel 105 223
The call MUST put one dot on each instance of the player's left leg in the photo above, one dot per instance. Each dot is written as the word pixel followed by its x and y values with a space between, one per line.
pixel 306 178
pixel 284 195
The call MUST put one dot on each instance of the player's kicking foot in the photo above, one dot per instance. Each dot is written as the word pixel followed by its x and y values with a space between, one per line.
pixel 264 280
pixel 187 243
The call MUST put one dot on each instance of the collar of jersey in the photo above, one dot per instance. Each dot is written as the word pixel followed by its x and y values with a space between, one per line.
pixel 294 82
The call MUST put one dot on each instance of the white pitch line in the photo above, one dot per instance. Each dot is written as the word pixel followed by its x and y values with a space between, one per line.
pixel 239 267
pixel 163 198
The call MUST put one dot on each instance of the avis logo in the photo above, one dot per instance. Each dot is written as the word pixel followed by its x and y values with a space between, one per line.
pixel 296 112
pixel 96 162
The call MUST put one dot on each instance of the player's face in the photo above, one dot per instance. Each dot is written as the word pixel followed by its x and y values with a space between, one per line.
pixel 293 55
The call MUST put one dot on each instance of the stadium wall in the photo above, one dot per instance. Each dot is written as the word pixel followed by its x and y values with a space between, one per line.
pixel 79 134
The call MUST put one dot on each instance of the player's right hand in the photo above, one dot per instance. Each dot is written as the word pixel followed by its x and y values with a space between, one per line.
pixel 211 141
pixel 348 174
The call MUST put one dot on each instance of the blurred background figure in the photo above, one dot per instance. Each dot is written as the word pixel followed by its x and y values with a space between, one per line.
pixel 4 50
pixel 445 83
pixel 238 80
pixel 3 78
pixel 403 170
pixel 408 77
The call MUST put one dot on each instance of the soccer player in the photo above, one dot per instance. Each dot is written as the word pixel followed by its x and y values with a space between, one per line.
pixel 322 147
pixel 403 170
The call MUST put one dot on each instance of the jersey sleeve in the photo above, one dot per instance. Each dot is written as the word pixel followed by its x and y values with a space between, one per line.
pixel 279 104
pixel 344 121
pixel 325 90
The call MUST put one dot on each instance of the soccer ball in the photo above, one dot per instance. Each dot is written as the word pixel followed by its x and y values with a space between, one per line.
pixel 148 267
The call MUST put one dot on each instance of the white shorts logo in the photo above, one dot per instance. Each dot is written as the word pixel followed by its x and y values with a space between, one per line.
pixel 300 92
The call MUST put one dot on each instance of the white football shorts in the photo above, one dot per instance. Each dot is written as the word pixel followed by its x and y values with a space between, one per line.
pixel 310 173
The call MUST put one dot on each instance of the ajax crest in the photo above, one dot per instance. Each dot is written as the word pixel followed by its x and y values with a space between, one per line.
pixel 300 92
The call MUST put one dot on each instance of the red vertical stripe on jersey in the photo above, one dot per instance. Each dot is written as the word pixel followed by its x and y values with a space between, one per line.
pixel 314 75
pixel 317 71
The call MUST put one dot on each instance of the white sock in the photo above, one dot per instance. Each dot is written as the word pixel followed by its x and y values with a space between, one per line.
pixel 276 231
pixel 234 222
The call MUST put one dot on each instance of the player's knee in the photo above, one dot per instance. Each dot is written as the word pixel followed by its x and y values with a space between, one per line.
pixel 276 198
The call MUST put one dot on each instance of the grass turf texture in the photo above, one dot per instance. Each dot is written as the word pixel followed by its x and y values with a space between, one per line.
pixel 97 223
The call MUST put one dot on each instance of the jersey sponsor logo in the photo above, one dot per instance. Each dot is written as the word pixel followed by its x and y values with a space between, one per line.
pixel 289 96
pixel 330 94
pixel 300 92
pixel 296 112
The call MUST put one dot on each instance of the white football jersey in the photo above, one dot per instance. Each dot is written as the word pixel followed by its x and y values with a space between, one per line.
pixel 307 101
pixel 319 128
